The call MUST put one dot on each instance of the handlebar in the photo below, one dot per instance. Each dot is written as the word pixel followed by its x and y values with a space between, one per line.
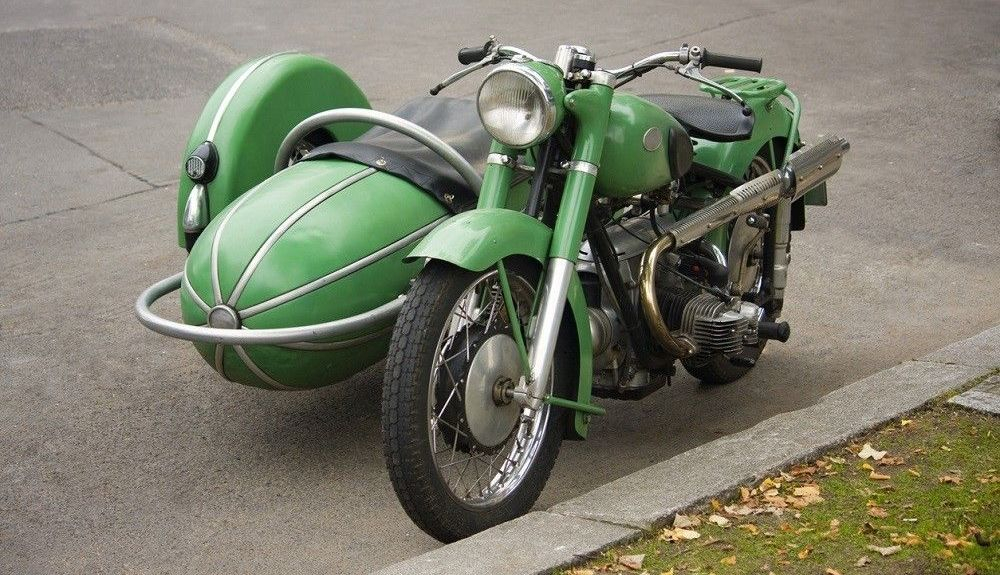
pixel 467 56
pixel 730 61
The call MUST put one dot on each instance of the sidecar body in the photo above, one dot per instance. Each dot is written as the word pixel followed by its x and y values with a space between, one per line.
pixel 294 275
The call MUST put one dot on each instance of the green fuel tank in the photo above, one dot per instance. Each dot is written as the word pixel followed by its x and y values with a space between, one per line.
pixel 319 241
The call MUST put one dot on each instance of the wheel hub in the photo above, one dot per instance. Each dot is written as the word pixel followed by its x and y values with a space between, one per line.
pixel 489 414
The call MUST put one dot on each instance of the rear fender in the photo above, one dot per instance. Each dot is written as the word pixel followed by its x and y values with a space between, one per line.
pixel 252 111
pixel 478 239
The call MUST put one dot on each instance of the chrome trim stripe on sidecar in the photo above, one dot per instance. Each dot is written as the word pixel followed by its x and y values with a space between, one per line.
pixel 346 326
pixel 258 371
pixel 241 284
pixel 232 93
pixel 342 272
pixel 216 288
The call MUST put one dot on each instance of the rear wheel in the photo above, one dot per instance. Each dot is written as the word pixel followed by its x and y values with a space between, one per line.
pixel 463 457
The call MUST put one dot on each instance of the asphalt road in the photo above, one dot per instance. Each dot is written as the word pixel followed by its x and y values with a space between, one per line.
pixel 120 451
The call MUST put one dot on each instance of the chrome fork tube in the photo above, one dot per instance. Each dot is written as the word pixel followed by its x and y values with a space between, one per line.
pixel 545 332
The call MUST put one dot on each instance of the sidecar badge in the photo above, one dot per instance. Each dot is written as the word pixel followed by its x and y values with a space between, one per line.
pixel 652 139
pixel 223 317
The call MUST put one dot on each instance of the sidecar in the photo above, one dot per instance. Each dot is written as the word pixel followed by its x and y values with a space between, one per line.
pixel 298 204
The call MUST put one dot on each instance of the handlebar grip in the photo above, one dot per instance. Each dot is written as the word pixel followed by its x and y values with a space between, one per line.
pixel 729 61
pixel 468 56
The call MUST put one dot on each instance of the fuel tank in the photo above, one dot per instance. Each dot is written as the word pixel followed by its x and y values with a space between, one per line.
pixel 319 241
pixel 644 150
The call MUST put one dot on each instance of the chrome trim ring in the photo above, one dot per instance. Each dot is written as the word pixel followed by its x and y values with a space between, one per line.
pixel 499 159
pixel 582 166
pixel 541 85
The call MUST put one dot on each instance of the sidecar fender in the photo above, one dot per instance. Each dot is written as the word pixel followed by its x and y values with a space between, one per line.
pixel 478 239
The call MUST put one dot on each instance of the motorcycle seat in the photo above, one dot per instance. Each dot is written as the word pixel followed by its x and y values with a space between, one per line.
pixel 453 120
pixel 704 117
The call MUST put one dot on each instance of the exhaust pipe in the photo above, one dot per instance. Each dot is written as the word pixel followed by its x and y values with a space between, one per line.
pixel 804 170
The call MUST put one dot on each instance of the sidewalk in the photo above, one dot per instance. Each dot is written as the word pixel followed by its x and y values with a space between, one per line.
pixel 621 510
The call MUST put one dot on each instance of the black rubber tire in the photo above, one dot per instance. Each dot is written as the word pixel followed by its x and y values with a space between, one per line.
pixel 428 502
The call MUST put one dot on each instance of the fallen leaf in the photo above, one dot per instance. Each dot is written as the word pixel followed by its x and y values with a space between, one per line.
pixel 910 539
pixel 718 520
pixel 905 422
pixel 953 479
pixel 874 475
pixel 678 534
pixel 945 448
pixel 946 553
pixel 731 560
pixel 830 571
pixel 878 512
pixel 750 528
pixel 885 551
pixel 890 460
pixel 862 561
pixel 579 571
pixel 632 561
pixel 685 521
pixel 769 483
pixel 837 460
pixel 952 541
pixel 668 572
pixel 716 505
pixel 867 466
pixel 805 552
pixel 739 510
pixel 869 452
pixel 913 472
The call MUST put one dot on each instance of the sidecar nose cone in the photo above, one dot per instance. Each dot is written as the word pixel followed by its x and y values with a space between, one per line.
pixel 223 317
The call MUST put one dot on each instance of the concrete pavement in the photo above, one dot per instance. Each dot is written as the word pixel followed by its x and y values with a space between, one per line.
pixel 121 451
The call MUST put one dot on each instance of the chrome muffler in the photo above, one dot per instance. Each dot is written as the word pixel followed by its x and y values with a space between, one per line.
pixel 804 170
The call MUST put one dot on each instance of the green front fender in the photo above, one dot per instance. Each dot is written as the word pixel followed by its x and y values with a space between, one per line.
pixel 478 239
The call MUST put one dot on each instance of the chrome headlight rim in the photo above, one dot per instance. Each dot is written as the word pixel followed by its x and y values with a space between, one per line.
pixel 550 109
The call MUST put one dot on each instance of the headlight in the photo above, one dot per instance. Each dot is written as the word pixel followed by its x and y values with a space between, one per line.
pixel 519 105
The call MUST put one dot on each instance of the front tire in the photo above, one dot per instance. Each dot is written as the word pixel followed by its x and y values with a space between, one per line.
pixel 460 459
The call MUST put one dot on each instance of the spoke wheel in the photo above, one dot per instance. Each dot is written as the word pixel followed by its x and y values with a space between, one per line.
pixel 461 455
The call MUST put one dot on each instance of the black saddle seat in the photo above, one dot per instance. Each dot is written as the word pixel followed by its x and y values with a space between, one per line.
pixel 704 117
pixel 453 120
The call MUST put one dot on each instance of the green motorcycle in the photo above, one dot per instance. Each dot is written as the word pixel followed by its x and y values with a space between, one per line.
pixel 512 257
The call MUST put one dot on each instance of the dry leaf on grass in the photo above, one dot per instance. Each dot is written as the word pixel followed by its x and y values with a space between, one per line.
pixel 953 479
pixel 876 511
pixel 678 534
pixel 805 552
pixel 731 560
pixel 945 448
pixel 869 452
pixel 718 520
pixel 910 539
pixel 830 571
pixel 876 476
pixel 632 561
pixel 913 472
pixel 952 541
pixel 685 521
pixel 668 572
pixel 885 551
pixel 750 528
pixel 862 561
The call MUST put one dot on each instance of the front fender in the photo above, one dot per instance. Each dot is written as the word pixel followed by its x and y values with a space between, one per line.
pixel 478 239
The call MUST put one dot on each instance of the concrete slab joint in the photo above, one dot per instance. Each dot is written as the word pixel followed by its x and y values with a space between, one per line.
pixel 621 510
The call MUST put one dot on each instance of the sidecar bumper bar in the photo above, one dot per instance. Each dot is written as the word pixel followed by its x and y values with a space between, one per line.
pixel 348 326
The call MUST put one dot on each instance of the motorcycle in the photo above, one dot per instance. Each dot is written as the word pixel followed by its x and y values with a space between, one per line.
pixel 512 257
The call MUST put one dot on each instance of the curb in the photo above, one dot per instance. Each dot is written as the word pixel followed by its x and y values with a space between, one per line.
pixel 622 509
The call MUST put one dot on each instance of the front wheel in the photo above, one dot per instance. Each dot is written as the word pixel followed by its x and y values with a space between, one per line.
pixel 462 456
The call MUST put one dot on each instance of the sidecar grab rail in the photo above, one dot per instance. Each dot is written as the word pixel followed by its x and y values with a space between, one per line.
pixel 385 120
pixel 306 333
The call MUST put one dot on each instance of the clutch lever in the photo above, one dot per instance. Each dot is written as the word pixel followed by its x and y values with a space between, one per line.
pixel 692 71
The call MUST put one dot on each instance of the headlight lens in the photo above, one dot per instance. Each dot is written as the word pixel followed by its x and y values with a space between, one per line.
pixel 517 106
